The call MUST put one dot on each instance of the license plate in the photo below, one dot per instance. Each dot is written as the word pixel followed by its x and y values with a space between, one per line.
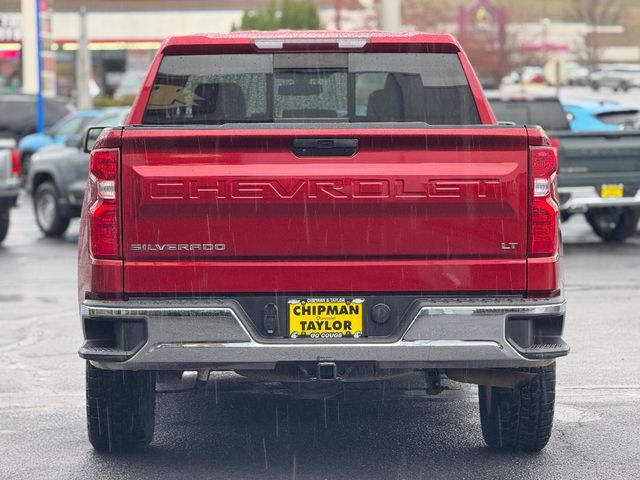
pixel 612 190
pixel 325 318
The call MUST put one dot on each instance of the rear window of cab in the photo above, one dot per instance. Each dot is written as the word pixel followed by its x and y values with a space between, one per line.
pixel 294 87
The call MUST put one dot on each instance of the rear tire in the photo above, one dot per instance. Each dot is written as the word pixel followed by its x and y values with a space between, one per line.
pixel 519 420
pixel 120 408
pixel 613 224
pixel 46 203
pixel 4 223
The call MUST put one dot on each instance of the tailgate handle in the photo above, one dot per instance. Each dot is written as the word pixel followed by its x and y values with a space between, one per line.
pixel 325 147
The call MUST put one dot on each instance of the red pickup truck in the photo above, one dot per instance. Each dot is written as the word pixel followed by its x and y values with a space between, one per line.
pixel 320 207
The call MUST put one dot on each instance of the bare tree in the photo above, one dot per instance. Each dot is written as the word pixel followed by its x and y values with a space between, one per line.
pixel 594 13
pixel 427 14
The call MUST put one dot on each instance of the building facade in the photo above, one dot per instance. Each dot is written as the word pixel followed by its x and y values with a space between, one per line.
pixel 124 35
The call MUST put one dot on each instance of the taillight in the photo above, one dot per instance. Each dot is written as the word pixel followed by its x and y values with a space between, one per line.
pixel 16 167
pixel 544 204
pixel 104 216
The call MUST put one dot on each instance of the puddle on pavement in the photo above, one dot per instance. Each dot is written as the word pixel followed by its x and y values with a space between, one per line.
pixel 569 414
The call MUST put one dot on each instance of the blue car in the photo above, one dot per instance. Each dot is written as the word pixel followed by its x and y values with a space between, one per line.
pixel 68 126
pixel 594 115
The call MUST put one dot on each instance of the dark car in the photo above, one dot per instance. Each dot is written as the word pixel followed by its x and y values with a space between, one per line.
pixel 18 115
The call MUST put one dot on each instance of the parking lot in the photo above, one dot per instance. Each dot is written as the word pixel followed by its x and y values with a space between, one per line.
pixel 298 229
pixel 240 429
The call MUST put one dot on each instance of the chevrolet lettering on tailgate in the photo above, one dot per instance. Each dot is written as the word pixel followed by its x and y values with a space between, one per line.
pixel 208 188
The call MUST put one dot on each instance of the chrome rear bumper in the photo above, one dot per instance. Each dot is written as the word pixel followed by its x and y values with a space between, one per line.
pixel 580 199
pixel 213 334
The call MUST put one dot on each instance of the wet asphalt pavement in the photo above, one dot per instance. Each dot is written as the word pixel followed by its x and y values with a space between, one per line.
pixel 239 429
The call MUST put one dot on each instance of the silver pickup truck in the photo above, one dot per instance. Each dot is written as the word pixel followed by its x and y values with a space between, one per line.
pixel 58 175
pixel 9 182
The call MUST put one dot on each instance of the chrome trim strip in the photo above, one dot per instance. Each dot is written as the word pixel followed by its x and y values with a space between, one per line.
pixel 585 197
pixel 87 310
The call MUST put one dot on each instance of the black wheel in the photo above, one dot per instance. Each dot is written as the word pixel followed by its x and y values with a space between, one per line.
pixel 120 408
pixel 4 223
pixel 624 86
pixel 47 209
pixel 613 224
pixel 595 86
pixel 519 420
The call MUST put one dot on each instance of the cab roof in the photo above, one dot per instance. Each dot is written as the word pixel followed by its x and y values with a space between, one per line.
pixel 248 37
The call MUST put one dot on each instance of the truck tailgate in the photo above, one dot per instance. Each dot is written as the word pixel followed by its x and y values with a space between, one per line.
pixel 219 210
pixel 594 159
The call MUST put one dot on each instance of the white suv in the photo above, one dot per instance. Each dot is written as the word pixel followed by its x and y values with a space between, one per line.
pixel 618 77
